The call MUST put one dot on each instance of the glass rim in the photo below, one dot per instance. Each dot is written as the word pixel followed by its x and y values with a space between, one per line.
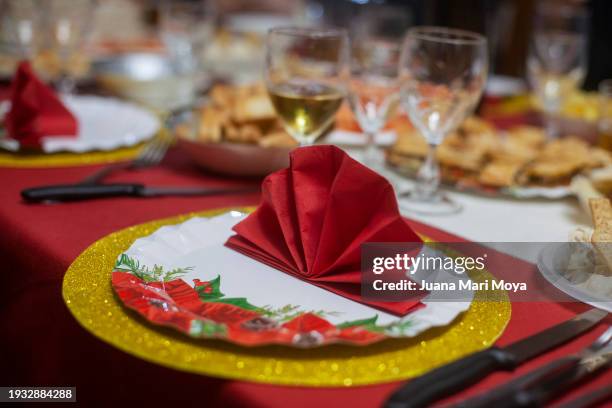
pixel 435 33
pixel 309 32
pixel 605 87
pixel 564 10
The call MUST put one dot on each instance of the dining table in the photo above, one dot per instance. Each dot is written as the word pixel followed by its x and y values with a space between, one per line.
pixel 41 343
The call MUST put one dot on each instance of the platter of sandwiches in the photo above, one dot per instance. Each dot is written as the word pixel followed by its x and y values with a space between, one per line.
pixel 521 162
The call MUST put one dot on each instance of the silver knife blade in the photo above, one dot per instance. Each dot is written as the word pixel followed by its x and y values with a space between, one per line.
pixel 554 336
pixel 193 191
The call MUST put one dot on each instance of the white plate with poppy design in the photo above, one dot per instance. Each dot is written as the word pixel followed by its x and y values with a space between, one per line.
pixel 104 124
pixel 182 276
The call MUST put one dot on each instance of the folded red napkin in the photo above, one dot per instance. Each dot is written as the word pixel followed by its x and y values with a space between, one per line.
pixel 314 216
pixel 36 111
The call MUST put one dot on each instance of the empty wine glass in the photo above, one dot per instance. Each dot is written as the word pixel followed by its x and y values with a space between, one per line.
pixel 305 70
pixel 68 21
pixel 21 23
pixel 557 59
pixel 442 75
pixel 373 86
pixel 187 28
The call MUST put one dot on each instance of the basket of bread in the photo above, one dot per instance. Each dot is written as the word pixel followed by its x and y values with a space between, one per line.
pixel 520 162
pixel 236 132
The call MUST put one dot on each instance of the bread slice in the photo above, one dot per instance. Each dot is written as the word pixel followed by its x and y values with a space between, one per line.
pixel 253 108
pixel 499 174
pixel 601 211
pixel 278 138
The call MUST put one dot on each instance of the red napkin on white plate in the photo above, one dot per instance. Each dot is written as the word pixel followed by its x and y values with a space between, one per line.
pixel 314 216
pixel 36 111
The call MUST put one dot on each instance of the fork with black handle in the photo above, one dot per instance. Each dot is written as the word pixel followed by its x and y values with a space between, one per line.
pixel 151 154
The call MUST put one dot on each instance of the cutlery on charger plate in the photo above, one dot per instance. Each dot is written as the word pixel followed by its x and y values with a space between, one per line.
pixel 542 384
pixel 71 192
pixel 455 376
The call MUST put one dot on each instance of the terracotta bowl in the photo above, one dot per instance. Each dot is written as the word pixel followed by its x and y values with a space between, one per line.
pixel 236 159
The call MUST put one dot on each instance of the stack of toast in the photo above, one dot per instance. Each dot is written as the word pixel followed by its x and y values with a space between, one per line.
pixel 239 114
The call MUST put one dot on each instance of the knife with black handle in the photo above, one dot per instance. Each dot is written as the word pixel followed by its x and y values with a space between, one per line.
pixel 539 386
pixel 451 378
pixel 454 377
pixel 526 390
pixel 71 192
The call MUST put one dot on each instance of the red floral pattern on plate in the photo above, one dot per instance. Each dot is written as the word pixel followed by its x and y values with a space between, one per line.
pixel 202 310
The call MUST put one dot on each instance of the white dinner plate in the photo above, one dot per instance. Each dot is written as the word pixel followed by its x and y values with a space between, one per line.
pixel 193 254
pixel 104 124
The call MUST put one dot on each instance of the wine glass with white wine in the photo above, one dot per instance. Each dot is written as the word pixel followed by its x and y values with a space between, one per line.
pixel 304 73
pixel 442 74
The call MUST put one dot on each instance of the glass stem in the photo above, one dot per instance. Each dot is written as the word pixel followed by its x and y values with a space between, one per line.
pixel 66 84
pixel 428 176
pixel 551 124
pixel 369 154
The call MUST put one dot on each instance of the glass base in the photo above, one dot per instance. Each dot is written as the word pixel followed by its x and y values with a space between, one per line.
pixel 437 204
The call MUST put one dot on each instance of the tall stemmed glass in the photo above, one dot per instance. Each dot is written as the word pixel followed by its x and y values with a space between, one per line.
pixel 442 74
pixel 557 59
pixel 187 28
pixel 373 86
pixel 69 21
pixel 305 72
pixel 21 24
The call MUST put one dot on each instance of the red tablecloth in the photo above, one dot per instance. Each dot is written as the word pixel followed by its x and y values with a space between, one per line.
pixel 41 344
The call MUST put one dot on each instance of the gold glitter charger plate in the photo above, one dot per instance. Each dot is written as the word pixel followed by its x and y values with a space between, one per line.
pixel 88 294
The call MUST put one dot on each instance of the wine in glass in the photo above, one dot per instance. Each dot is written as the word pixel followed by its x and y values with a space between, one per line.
pixel 373 86
pixel 304 73
pixel 442 75
pixel 556 63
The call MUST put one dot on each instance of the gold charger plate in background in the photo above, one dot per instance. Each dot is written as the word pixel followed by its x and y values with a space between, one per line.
pixel 88 294
pixel 33 160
